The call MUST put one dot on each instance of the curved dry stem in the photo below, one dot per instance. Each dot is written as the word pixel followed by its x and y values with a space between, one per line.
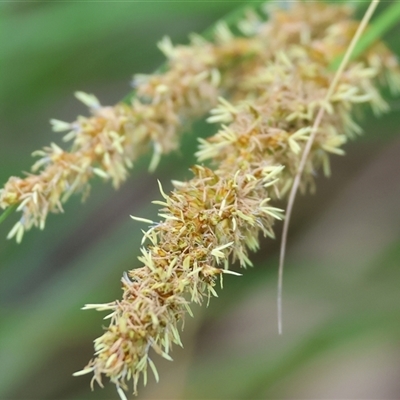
pixel 306 152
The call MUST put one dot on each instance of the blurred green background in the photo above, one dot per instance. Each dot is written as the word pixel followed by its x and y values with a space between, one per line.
pixel 341 297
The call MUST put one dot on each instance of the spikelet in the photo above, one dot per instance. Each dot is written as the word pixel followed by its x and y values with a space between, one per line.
pixel 216 217
pixel 108 142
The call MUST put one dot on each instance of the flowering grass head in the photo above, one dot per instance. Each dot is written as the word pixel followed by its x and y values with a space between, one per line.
pixel 264 96
pixel 215 218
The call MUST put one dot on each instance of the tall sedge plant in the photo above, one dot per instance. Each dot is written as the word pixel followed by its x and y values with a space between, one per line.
pixel 269 99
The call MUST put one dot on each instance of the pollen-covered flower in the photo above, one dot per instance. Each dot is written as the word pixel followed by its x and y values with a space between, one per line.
pixel 215 218
pixel 206 221
pixel 108 142
pixel 262 89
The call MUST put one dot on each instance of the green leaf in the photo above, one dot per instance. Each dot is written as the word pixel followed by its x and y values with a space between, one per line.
pixel 382 24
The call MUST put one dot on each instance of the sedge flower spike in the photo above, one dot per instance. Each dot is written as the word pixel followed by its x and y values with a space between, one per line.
pixel 216 218
pixel 107 143
pixel 111 139
pixel 264 96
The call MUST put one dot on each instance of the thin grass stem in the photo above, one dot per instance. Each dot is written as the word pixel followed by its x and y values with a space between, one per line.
pixel 381 25
pixel 317 122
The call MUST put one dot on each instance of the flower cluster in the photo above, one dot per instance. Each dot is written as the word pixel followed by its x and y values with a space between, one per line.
pixel 216 217
pixel 108 142
pixel 205 220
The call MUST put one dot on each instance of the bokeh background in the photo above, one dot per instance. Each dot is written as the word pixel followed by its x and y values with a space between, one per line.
pixel 341 284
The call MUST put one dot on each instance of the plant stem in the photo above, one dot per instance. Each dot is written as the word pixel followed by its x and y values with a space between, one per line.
pixel 381 25
pixel 317 122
